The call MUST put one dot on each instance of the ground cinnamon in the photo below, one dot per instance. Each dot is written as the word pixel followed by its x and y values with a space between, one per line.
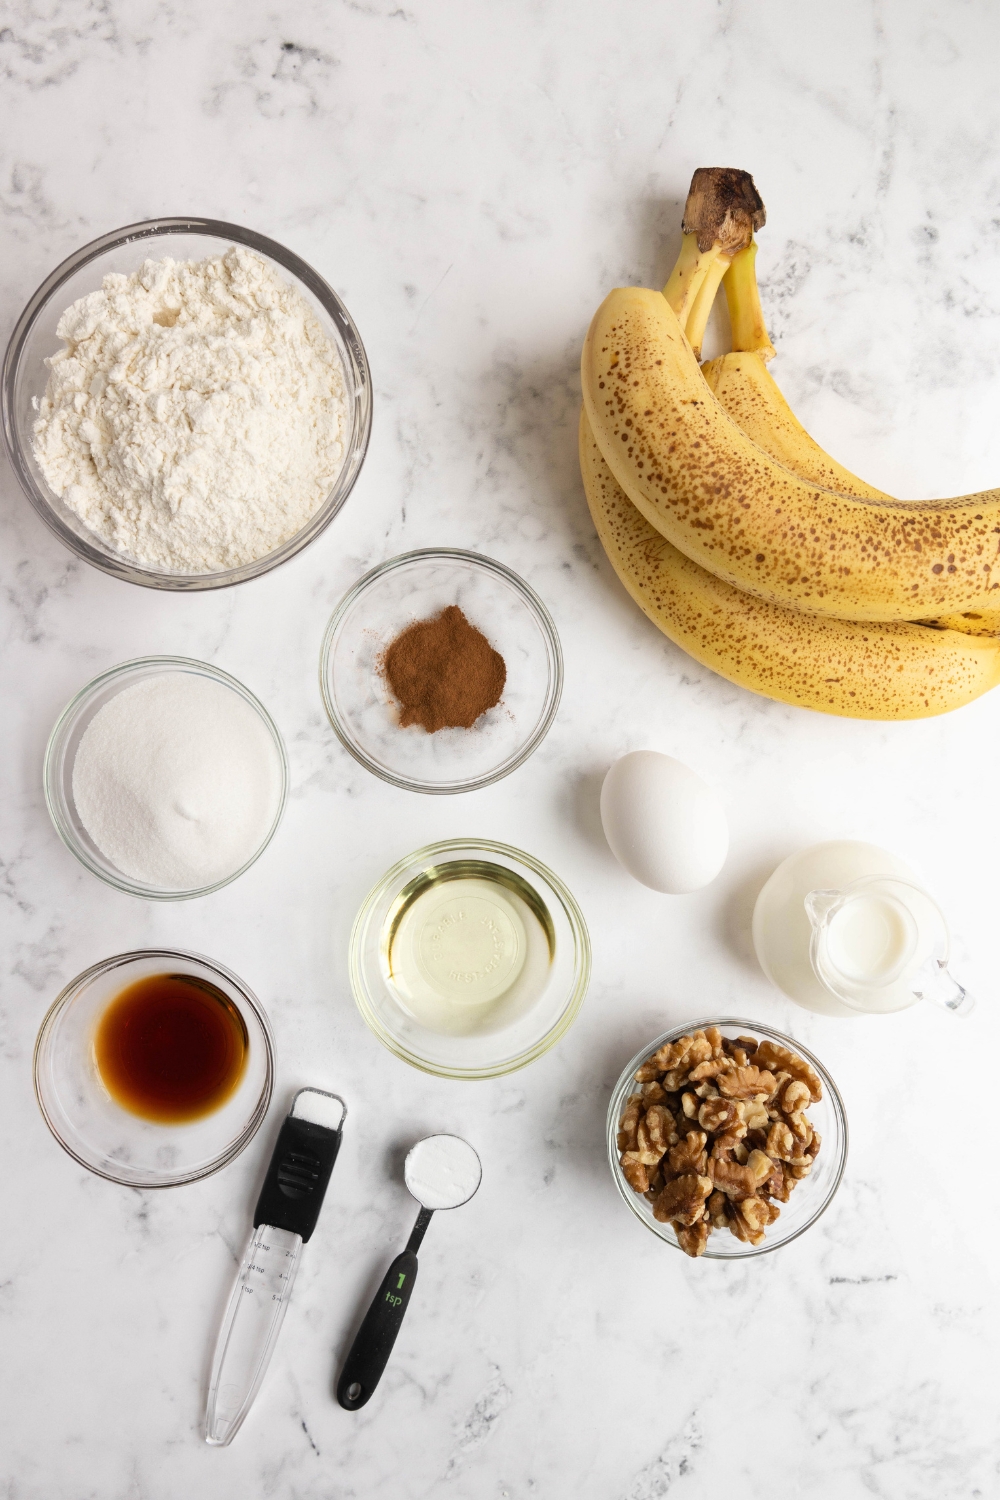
pixel 444 672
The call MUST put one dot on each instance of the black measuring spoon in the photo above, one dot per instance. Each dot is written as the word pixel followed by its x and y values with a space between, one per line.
pixel 442 1171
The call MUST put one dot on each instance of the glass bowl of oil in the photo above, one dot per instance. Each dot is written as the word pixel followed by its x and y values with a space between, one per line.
pixel 469 959
pixel 154 1068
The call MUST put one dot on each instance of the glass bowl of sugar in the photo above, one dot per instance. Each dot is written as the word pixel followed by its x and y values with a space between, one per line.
pixel 229 434
pixel 166 778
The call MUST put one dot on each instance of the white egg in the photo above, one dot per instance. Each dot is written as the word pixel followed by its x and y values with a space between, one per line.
pixel 663 823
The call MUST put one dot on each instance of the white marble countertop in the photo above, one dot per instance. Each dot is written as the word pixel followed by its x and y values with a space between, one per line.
pixel 472 179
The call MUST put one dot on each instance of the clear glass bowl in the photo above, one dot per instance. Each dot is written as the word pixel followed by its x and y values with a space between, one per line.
pixel 810 1198
pixel 413 587
pixel 104 1137
pixel 64 741
pixel 478 1055
pixel 34 339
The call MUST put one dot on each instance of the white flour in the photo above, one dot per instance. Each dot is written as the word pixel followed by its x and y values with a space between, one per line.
pixel 177 781
pixel 196 418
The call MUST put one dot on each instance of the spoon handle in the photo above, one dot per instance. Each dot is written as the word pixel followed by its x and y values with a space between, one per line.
pixel 374 1339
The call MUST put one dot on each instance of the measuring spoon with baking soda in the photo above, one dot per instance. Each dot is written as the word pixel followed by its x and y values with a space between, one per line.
pixel 442 1171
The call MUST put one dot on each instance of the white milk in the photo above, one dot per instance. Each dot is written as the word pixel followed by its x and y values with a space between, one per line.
pixel 866 938
pixel 870 939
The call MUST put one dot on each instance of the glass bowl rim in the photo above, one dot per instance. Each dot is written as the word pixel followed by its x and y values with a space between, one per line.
pixel 152 229
pixel 582 965
pixel 254 1122
pixel 535 605
pixel 619 1093
pixel 62 727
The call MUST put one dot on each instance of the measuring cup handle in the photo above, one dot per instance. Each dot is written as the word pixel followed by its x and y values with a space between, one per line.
pixel 935 982
pixel 374 1339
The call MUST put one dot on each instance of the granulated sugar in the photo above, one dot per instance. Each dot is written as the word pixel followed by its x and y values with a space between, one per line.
pixel 177 780
pixel 196 418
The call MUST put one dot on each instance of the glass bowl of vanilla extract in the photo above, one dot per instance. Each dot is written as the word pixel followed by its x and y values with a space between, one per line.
pixel 154 1068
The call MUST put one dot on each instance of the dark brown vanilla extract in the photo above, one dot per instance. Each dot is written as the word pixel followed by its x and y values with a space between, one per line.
pixel 171 1048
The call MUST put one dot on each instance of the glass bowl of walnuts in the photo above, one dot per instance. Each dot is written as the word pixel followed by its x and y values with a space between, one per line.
pixel 726 1138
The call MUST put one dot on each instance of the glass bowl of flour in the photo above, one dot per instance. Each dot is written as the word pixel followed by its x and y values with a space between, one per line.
pixel 186 403
pixel 166 778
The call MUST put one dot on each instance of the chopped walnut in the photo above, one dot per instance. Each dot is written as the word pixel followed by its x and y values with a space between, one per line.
pixel 716 1207
pixel 718 1115
pixel 752 1113
pixel 740 1181
pixel 745 1083
pixel 659 1124
pixel 634 1172
pixel 648 1072
pixel 719 1134
pixel 675 1077
pixel 773 1055
pixel 780 1079
pixel 628 1125
pixel 781 1144
pixel 683 1200
pixel 710 1069
pixel 778 1185
pixel 742 1231
pixel 754 1213
pixel 647 1153
pixel 694 1239
pixel 689 1154
pixel 700 1051
pixel 795 1096
pixel 724 1145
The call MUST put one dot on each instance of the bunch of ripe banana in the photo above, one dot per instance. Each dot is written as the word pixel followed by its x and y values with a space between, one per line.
pixel 738 536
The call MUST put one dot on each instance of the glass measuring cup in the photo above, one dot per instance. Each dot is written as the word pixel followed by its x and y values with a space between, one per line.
pixel 881 943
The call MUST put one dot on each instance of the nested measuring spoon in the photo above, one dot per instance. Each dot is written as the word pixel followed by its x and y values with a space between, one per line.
pixel 442 1171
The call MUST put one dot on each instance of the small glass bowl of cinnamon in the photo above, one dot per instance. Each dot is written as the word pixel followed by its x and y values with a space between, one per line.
pixel 441 671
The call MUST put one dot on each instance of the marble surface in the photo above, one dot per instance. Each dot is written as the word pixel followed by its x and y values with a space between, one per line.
pixel 472 179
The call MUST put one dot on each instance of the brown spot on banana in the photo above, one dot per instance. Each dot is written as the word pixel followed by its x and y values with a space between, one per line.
pixel 854 669
pixel 825 551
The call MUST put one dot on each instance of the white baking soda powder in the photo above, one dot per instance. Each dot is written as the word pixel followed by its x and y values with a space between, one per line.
pixel 442 1171
pixel 177 780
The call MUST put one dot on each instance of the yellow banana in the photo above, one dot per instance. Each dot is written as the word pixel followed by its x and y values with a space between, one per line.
pixel 743 385
pixel 734 508
pixel 864 671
